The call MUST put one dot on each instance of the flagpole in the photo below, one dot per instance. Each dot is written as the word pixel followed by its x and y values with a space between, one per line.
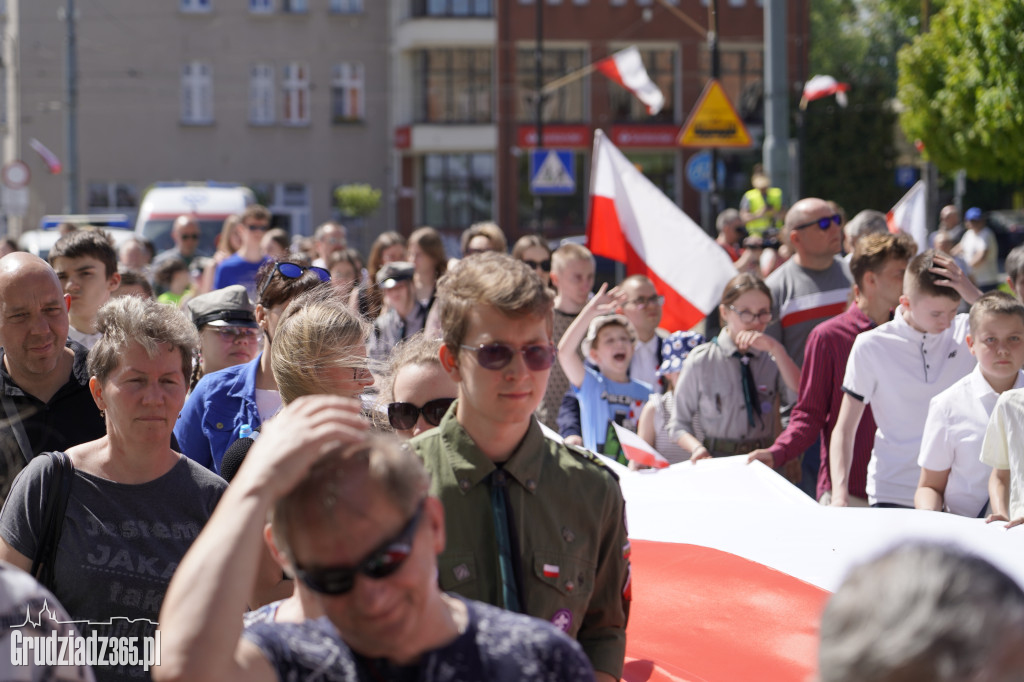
pixel 538 56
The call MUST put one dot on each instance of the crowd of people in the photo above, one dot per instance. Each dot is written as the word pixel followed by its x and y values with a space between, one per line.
pixel 387 464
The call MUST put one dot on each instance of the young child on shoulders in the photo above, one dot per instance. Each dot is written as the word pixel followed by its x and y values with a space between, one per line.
pixel 608 394
pixel 953 477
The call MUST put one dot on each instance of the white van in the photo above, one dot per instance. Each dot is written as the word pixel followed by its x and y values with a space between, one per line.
pixel 208 202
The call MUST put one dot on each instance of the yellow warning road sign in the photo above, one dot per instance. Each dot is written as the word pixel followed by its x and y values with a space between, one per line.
pixel 714 122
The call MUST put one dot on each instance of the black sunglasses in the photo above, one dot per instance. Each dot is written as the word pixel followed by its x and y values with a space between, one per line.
pixel 293 271
pixel 403 416
pixel 190 237
pixel 498 355
pixel 823 223
pixel 381 562
pixel 544 265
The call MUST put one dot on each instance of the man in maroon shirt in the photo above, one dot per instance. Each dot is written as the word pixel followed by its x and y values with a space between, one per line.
pixel 877 266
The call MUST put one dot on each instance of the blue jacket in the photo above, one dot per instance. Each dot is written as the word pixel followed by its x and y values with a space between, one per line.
pixel 214 412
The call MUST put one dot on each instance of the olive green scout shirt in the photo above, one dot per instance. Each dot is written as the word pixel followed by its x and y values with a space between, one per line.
pixel 569 518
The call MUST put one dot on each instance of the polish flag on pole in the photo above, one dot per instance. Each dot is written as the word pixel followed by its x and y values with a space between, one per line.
pixel 638 450
pixel 632 222
pixel 627 69
pixel 908 215
pixel 823 86
pixel 49 158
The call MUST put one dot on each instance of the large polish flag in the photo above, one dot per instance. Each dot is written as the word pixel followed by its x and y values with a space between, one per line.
pixel 732 567
pixel 908 215
pixel 633 222
pixel 626 68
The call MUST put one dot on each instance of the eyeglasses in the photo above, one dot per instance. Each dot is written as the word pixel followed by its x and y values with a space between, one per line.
pixel 823 223
pixel 190 237
pixel 233 334
pixel 381 562
pixel 359 373
pixel 403 416
pixel 293 271
pixel 257 228
pixel 747 316
pixel 498 355
pixel 644 301
pixel 544 265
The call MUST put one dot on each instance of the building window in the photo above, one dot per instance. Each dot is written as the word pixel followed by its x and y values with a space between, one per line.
pixel 567 103
pixel 112 196
pixel 661 67
pixel 295 6
pixel 296 94
pixel 452 8
pixel 347 87
pixel 261 94
pixel 741 73
pixel 346 6
pixel 453 86
pixel 261 6
pixel 457 189
pixel 195 5
pixel 197 93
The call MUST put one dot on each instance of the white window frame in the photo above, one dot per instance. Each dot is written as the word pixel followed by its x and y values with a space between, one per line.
pixel 262 91
pixel 196 6
pixel 197 93
pixel 295 92
pixel 348 76
pixel 347 7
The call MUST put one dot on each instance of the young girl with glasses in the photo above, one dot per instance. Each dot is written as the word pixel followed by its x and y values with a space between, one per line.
pixel 728 393
pixel 415 391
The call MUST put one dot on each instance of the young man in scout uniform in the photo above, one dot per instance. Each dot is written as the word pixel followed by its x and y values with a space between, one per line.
pixel 532 525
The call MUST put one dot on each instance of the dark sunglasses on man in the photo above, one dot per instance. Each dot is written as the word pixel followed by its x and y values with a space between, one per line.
pixel 403 416
pixel 823 223
pixel 380 563
pixel 293 271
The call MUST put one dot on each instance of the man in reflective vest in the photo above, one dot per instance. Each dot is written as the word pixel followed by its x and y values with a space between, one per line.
pixel 761 207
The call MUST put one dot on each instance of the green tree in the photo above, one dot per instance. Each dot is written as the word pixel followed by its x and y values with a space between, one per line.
pixel 357 200
pixel 960 85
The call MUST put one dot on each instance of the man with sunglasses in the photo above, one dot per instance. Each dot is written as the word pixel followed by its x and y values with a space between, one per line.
pixel 185 233
pixel 809 288
pixel 241 267
pixel 532 525
pixel 352 519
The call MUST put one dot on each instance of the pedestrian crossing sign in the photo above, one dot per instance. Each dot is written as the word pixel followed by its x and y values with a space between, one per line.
pixel 552 171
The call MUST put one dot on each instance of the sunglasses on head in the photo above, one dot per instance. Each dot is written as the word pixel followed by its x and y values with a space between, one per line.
pixel 293 271
pixel 823 223
pixel 403 416
pixel 498 355
pixel 381 562
pixel 544 265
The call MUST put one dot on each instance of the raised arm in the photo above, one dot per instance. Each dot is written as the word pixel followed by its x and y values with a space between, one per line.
pixel 946 266
pixel 603 303
pixel 841 448
pixel 200 620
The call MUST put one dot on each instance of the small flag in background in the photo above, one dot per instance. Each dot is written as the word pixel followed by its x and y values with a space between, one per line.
pixel 823 86
pixel 49 158
pixel 908 216
pixel 626 68
pixel 639 450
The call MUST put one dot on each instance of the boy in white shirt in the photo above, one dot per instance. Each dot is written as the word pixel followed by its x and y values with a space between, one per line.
pixel 1006 483
pixel 898 368
pixel 953 478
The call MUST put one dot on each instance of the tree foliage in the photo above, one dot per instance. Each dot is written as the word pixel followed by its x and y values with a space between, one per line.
pixel 357 200
pixel 960 85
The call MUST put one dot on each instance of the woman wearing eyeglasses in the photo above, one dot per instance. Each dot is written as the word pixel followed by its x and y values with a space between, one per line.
pixel 535 252
pixel 224 401
pixel 728 394
pixel 416 391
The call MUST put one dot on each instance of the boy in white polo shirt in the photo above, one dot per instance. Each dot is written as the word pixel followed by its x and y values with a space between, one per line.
pixel 1006 484
pixel 953 477
pixel 899 367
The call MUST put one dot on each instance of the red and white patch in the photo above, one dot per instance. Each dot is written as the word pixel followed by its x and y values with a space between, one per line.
pixel 551 571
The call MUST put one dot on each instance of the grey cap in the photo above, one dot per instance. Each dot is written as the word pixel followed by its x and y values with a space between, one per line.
pixel 602 321
pixel 227 307
pixel 393 273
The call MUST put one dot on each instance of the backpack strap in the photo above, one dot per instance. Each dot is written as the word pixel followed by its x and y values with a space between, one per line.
pixel 63 471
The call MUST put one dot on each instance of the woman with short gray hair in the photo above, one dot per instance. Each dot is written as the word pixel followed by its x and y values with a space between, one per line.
pixel 134 505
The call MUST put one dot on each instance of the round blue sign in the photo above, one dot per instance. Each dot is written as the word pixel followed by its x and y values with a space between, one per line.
pixel 698 171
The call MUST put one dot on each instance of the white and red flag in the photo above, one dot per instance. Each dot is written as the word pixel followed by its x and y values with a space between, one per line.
pixel 908 215
pixel 638 450
pixel 626 68
pixel 49 158
pixel 633 222
pixel 823 86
